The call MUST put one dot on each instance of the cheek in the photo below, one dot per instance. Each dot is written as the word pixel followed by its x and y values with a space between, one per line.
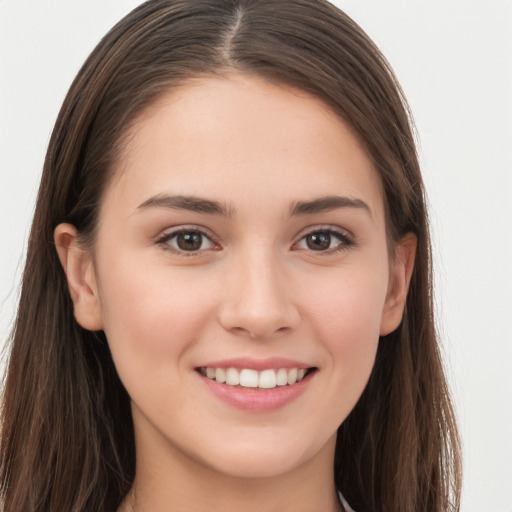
pixel 348 308
pixel 150 318
pixel 347 321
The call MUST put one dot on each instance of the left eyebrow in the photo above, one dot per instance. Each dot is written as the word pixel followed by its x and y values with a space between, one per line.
pixel 190 203
pixel 327 204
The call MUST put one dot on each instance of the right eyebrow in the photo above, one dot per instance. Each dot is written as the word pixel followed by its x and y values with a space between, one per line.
pixel 189 203
pixel 328 203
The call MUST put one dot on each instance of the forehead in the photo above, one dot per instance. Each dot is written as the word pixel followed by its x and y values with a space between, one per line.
pixel 238 137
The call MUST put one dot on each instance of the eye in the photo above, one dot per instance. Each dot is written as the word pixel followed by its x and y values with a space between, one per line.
pixel 186 240
pixel 325 240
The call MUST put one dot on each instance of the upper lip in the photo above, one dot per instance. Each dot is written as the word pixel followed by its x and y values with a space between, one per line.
pixel 256 364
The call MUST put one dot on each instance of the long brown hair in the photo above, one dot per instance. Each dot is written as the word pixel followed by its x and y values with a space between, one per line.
pixel 67 440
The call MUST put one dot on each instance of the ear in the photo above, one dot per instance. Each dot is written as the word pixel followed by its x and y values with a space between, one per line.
pixel 400 277
pixel 79 269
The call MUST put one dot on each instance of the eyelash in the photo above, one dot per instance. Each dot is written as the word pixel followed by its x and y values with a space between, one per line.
pixel 346 241
pixel 164 240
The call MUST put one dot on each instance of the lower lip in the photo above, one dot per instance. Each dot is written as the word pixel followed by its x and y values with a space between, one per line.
pixel 257 399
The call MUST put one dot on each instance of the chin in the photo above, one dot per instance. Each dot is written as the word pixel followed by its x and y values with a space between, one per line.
pixel 257 467
pixel 258 459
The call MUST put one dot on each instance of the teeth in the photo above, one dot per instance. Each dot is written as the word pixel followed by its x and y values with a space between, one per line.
pixel 248 378
pixel 292 376
pixel 267 379
pixel 282 377
pixel 232 377
pixel 220 374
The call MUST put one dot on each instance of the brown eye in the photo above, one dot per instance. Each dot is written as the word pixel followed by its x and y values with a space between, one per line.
pixel 187 241
pixel 319 241
pixel 325 240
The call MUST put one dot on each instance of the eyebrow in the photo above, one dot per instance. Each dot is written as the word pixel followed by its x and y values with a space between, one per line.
pixel 327 204
pixel 189 203
pixel 208 206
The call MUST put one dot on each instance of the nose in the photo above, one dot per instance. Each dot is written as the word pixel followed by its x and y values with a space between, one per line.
pixel 258 298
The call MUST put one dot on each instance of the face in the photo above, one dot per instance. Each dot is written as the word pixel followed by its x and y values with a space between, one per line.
pixel 241 238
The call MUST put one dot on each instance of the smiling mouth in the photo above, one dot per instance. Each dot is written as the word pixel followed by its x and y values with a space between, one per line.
pixel 254 379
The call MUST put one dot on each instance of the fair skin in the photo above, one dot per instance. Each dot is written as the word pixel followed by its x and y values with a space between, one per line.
pixel 262 273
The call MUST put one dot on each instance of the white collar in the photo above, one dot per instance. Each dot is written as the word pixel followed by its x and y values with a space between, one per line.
pixel 345 504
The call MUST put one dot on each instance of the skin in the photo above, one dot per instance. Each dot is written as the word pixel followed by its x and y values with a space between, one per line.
pixel 254 289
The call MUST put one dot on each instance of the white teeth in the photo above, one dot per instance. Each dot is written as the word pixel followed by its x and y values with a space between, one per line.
pixel 248 378
pixel 282 377
pixel 292 375
pixel 220 374
pixel 232 377
pixel 267 379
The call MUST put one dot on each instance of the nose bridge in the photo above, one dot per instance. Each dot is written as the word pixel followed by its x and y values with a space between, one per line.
pixel 258 301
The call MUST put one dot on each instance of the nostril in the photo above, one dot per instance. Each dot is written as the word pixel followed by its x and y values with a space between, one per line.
pixel 257 311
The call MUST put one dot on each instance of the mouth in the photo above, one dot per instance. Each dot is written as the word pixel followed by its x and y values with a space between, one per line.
pixel 257 385
pixel 256 380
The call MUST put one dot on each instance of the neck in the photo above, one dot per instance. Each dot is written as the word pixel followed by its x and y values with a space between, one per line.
pixel 179 483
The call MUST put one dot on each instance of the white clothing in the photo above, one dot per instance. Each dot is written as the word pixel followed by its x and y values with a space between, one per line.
pixel 345 504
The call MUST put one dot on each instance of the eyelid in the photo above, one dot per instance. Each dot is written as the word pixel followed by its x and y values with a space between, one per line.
pixel 347 239
pixel 170 233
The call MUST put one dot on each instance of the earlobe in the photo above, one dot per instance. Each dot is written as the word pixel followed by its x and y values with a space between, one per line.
pixel 400 277
pixel 78 266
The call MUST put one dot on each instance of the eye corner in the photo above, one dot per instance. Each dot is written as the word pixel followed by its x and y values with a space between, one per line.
pixel 321 240
pixel 187 241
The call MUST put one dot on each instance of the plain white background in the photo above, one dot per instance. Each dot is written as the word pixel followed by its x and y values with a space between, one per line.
pixel 454 60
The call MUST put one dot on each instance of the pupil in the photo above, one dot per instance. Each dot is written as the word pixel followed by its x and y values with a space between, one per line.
pixel 190 241
pixel 318 241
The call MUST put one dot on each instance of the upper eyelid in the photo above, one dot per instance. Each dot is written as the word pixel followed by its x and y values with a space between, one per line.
pixel 324 227
pixel 171 231
pixel 163 240
pixel 345 237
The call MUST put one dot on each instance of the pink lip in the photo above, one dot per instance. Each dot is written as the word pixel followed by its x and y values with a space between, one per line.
pixel 260 400
pixel 256 364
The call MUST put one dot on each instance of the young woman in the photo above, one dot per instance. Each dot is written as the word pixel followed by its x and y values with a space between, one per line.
pixel 227 300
